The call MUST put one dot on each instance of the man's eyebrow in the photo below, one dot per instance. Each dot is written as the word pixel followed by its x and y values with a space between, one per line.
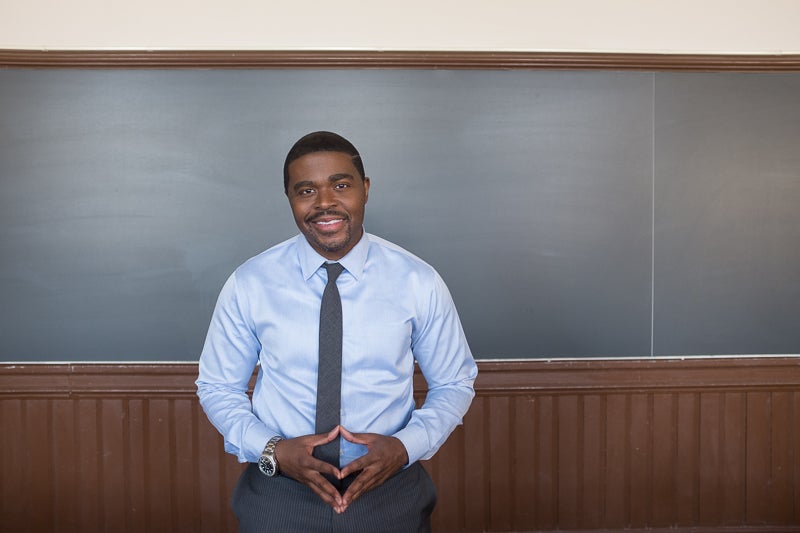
pixel 302 184
pixel 340 176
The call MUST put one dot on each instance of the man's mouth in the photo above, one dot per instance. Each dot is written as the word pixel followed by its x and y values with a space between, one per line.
pixel 329 222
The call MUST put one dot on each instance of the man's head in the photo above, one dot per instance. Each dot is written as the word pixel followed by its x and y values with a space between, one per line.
pixel 321 141
pixel 327 190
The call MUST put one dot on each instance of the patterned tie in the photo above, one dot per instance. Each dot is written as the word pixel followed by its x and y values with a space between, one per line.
pixel 329 377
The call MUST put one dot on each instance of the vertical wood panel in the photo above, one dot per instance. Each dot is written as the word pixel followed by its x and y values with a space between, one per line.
pixel 709 489
pixel 758 457
pixel 639 455
pixel 136 466
pixel 617 505
pixel 90 504
pixel 546 462
pixel 525 438
pixel 159 468
pixel 780 489
pixel 64 468
pixel 592 443
pixel 795 435
pixel 184 429
pixel 569 458
pixel 687 466
pixel 11 459
pixel 114 486
pixel 500 473
pixel 185 488
pixel 665 455
pixel 734 459
pixel 38 444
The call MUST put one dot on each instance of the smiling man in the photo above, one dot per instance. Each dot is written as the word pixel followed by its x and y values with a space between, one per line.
pixel 359 470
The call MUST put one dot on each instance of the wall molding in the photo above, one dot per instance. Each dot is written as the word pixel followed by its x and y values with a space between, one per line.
pixel 519 377
pixel 258 59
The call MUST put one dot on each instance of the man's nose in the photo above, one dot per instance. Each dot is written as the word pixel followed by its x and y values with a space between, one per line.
pixel 326 198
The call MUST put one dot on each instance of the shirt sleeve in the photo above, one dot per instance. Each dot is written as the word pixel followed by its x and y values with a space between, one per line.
pixel 441 350
pixel 229 356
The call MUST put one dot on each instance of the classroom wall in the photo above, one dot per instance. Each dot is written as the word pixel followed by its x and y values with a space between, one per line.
pixel 677 26
pixel 678 445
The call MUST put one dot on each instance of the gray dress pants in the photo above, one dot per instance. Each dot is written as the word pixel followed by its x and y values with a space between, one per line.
pixel 403 504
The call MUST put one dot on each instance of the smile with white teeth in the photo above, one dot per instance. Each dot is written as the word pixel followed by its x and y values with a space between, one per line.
pixel 328 222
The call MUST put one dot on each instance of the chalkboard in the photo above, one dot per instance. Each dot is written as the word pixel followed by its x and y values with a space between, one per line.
pixel 600 214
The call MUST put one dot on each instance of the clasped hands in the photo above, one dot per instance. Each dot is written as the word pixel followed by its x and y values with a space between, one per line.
pixel 385 456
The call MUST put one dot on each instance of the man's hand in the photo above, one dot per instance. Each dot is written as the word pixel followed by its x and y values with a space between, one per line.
pixel 295 460
pixel 385 456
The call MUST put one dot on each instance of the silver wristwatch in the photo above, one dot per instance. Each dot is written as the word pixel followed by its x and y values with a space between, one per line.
pixel 267 462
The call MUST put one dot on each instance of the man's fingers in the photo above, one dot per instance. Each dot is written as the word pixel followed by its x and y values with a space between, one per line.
pixel 367 480
pixel 385 457
pixel 327 492
pixel 356 438
pixel 296 461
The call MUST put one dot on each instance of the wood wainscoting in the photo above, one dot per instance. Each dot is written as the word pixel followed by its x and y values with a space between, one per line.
pixel 696 445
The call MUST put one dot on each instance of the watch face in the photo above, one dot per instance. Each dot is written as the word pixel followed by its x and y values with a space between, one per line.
pixel 266 466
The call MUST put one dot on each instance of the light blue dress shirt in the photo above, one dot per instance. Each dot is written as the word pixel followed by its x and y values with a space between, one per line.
pixel 396 309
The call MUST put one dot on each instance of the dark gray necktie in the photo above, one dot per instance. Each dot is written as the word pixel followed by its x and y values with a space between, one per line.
pixel 329 377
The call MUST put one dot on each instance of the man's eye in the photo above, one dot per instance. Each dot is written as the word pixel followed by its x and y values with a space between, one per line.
pixel 341 185
pixel 305 192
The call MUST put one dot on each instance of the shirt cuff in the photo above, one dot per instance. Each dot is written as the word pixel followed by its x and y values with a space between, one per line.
pixel 416 442
pixel 254 442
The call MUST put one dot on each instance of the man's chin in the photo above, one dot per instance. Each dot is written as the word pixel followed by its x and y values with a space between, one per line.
pixel 330 246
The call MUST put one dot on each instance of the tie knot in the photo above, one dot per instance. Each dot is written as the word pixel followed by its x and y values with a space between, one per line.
pixel 334 269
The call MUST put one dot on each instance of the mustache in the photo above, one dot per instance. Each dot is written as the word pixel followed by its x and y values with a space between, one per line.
pixel 327 213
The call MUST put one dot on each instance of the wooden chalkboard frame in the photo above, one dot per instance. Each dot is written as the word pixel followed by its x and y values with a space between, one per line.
pixel 397 60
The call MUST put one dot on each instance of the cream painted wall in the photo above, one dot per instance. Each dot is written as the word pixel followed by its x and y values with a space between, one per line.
pixel 678 26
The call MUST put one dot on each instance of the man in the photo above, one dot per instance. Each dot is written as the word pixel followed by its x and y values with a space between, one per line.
pixel 393 309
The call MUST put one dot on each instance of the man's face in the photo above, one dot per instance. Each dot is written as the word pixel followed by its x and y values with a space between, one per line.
pixel 327 197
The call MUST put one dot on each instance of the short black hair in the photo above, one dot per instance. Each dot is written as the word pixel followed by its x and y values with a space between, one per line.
pixel 321 141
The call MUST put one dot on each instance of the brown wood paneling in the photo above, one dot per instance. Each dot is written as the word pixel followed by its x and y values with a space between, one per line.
pixel 591 461
pixel 395 59
pixel 546 467
pixel 758 456
pixel 663 456
pixel 709 489
pixel 500 473
pixel 568 467
pixel 523 450
pixel 795 432
pixel 781 486
pixel 617 466
pixel 639 455
pixel 692 445
pixel 136 463
pixel 733 484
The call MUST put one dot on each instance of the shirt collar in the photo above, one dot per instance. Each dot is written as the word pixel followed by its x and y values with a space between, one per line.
pixel 353 262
